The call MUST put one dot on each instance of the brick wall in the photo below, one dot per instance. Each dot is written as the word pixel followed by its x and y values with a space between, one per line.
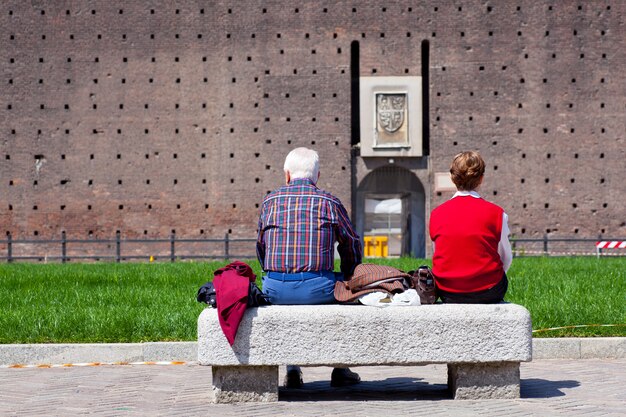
pixel 148 117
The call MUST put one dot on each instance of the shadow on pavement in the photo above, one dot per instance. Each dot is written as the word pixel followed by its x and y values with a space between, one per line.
pixel 390 389
pixel 543 388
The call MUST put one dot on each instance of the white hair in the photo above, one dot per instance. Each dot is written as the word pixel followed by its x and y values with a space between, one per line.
pixel 303 163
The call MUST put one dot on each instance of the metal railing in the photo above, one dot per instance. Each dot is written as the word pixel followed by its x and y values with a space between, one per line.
pixel 174 248
pixel 66 250
pixel 553 246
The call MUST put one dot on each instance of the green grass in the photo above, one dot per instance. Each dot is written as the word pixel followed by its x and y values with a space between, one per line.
pixel 102 302
pixel 571 291
pixel 136 302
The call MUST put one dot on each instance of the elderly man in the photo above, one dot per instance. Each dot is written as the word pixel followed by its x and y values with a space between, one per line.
pixel 298 227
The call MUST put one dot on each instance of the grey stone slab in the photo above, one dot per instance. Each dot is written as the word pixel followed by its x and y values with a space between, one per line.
pixel 579 348
pixel 558 348
pixel 170 351
pixel 603 348
pixel 69 353
pixel 360 335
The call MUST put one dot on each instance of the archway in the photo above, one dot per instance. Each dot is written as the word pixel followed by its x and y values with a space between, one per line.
pixel 390 202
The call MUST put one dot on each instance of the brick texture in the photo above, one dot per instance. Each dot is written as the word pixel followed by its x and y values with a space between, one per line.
pixel 148 117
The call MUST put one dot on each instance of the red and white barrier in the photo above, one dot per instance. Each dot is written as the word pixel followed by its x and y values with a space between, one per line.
pixel 611 244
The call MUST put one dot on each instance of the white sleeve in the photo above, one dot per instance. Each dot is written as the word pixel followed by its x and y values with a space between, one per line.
pixel 504 247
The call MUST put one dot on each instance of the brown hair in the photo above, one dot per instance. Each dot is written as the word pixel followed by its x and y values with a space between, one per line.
pixel 466 170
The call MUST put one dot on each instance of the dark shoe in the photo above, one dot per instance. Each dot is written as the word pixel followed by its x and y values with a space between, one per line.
pixel 293 378
pixel 343 377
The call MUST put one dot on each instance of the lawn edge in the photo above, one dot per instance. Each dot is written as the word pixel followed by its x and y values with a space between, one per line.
pixel 72 353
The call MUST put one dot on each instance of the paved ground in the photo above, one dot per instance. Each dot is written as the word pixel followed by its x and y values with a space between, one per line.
pixel 549 387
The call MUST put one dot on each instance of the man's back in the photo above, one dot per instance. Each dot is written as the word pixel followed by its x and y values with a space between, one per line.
pixel 298 226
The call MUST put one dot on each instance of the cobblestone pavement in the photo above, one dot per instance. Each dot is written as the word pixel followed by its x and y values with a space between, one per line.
pixel 549 387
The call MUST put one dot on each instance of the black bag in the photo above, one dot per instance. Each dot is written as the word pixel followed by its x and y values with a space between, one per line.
pixel 256 297
pixel 423 281
pixel 206 294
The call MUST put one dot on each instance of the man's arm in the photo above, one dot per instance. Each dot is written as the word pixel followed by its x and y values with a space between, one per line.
pixel 349 247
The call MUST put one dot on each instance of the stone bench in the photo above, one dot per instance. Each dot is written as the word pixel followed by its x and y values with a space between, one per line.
pixel 482 345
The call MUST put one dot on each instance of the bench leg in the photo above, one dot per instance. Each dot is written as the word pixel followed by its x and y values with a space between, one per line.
pixel 471 381
pixel 233 384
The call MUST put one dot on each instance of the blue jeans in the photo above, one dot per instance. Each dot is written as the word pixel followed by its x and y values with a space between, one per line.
pixel 301 287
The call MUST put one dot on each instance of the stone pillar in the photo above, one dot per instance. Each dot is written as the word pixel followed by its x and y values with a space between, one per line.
pixel 472 381
pixel 233 384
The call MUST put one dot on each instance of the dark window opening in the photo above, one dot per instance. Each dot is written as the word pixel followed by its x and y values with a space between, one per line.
pixel 425 98
pixel 354 94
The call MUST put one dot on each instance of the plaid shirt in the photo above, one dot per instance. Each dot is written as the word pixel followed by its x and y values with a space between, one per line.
pixel 298 227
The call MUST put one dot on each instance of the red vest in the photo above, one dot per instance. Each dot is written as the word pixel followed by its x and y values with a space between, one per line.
pixel 466 231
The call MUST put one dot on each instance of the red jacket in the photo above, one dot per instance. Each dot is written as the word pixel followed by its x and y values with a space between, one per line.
pixel 232 284
pixel 466 232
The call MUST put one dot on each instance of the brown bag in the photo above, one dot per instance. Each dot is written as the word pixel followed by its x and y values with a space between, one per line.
pixel 423 281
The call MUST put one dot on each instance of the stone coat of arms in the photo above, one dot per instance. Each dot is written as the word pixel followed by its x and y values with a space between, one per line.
pixel 390 110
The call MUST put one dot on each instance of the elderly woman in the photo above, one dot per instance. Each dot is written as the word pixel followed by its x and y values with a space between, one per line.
pixel 471 249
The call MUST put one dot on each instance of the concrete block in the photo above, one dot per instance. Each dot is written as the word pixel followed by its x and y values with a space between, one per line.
pixel 603 348
pixel 70 353
pixel 476 381
pixel 245 384
pixel 556 348
pixel 170 351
